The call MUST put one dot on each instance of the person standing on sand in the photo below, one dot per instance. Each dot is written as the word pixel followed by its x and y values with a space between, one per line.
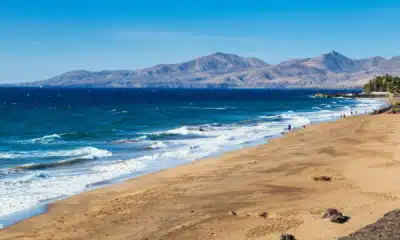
pixel 289 127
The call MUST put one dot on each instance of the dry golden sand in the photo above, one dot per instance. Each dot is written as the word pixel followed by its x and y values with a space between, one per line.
pixel 195 201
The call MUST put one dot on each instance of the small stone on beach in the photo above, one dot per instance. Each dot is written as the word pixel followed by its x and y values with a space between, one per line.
pixel 339 219
pixel 287 237
pixel 263 214
pixel 331 212
pixel 322 178
pixel 335 216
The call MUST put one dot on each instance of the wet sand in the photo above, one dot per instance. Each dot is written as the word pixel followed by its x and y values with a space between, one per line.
pixel 222 197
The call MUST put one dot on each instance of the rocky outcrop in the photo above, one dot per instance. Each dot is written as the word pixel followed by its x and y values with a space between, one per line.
pixel 385 228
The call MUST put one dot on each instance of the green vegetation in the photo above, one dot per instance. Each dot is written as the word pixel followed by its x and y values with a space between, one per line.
pixel 385 83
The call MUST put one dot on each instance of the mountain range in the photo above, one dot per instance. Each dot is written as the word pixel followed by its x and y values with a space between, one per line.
pixel 222 70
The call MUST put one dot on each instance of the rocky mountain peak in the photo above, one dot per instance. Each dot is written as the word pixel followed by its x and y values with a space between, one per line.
pixel 332 62
pixel 220 62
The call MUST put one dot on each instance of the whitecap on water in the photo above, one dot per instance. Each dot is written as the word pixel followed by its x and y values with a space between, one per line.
pixel 89 152
pixel 47 139
pixel 157 145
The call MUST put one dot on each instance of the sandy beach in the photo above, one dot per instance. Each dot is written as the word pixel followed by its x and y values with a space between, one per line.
pixel 222 197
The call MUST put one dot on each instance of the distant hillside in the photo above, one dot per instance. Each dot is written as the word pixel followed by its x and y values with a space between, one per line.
pixel 221 70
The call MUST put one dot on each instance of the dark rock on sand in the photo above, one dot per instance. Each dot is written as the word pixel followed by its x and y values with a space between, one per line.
pixel 386 228
pixel 381 110
pixel 335 216
pixel 287 237
pixel 322 178
pixel 331 212
pixel 263 214
pixel 394 110
pixel 339 219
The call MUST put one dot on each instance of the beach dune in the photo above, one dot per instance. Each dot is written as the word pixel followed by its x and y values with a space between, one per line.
pixel 223 197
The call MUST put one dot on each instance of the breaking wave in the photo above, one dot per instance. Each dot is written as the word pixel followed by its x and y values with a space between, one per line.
pixel 47 139
pixel 85 152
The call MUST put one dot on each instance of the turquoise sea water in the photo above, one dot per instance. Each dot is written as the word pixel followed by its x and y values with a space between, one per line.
pixel 58 142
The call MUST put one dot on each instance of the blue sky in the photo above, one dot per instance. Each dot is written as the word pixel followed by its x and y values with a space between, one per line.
pixel 43 38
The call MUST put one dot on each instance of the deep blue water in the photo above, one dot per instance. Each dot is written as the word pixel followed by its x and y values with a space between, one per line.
pixel 59 142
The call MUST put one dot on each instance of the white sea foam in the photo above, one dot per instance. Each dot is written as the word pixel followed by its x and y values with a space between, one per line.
pixel 88 152
pixel 47 139
pixel 158 145
pixel 326 105
pixel 209 108
pixel 8 155
pixel 269 117
pixel 27 191
pixel 184 130
pixel 180 131
pixel 130 140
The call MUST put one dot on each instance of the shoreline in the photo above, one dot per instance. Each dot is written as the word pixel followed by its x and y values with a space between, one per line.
pixel 227 161
pixel 42 208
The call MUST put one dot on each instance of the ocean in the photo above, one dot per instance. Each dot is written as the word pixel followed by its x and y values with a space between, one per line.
pixel 55 143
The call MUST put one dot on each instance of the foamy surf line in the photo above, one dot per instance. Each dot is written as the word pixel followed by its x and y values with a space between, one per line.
pixel 87 152
pixel 57 138
pixel 219 139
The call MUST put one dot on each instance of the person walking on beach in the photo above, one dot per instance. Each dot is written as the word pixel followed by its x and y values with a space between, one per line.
pixel 289 127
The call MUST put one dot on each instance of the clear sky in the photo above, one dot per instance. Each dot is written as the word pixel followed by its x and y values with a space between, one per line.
pixel 43 38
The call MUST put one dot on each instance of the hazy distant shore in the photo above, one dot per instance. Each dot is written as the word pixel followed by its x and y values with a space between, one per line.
pixel 223 70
